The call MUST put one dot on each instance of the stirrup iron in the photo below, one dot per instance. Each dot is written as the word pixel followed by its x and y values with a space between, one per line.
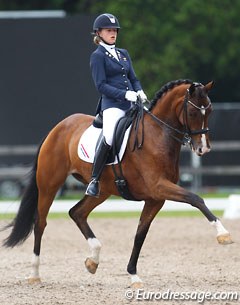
pixel 93 188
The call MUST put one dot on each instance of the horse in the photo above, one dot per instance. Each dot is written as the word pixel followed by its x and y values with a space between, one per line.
pixel 178 114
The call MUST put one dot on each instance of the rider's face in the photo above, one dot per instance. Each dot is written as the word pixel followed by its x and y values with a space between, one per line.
pixel 109 35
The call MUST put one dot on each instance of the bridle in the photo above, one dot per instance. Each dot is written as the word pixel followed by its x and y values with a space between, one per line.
pixel 186 133
pixel 187 130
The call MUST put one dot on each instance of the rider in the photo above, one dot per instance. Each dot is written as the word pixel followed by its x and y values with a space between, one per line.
pixel 115 80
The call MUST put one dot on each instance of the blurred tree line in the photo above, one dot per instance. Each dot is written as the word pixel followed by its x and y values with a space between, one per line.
pixel 167 40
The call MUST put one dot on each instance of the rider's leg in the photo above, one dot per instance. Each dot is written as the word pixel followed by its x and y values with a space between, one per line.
pixel 100 159
pixel 110 118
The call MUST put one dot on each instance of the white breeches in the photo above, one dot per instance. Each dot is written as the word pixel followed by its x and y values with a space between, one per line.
pixel 110 118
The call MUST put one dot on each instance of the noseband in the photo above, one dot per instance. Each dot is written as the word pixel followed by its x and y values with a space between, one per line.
pixel 187 133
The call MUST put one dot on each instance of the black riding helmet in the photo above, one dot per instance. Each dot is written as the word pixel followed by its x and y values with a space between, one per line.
pixel 105 21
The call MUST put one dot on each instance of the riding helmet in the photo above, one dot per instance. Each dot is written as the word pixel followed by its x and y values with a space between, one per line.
pixel 105 21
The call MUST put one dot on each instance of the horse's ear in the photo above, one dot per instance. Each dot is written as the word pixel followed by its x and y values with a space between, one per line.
pixel 191 89
pixel 209 86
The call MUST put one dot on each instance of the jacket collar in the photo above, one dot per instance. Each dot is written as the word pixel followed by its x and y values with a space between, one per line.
pixel 107 46
pixel 107 53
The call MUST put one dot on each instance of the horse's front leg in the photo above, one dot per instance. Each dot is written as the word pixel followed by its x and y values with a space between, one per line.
pixel 174 192
pixel 149 211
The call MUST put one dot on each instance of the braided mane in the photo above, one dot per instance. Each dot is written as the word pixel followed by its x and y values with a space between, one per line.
pixel 166 87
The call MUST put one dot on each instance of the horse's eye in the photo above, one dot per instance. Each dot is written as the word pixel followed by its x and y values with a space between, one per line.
pixel 192 113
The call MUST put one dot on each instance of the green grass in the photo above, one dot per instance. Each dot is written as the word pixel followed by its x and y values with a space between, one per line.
pixel 123 214
pixel 6 216
pixel 217 195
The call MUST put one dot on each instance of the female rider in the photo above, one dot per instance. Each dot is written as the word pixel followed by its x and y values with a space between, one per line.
pixel 116 81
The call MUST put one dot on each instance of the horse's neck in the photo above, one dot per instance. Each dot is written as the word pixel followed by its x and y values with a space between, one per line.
pixel 162 134
pixel 165 110
pixel 161 147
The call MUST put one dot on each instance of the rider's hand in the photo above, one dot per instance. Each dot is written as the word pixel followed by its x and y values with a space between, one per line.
pixel 142 96
pixel 131 96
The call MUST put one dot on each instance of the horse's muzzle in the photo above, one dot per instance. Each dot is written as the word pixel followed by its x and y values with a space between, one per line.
pixel 200 151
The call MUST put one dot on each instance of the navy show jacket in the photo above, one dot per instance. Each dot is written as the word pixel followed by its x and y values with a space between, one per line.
pixel 113 78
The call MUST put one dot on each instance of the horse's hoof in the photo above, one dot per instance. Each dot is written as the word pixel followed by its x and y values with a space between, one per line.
pixel 91 265
pixel 137 285
pixel 34 280
pixel 224 239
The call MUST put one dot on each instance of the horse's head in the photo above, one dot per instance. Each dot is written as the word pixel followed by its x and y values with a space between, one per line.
pixel 187 118
pixel 194 117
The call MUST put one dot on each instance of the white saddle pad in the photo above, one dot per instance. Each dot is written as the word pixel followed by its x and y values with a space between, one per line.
pixel 88 141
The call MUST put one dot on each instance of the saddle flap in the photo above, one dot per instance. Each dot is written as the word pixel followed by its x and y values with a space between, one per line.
pixel 88 141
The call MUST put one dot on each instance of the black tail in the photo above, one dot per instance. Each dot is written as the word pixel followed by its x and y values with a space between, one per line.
pixel 24 221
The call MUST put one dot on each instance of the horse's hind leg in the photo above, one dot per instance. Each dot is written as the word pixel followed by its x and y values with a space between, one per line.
pixel 40 224
pixel 79 214
pixel 49 180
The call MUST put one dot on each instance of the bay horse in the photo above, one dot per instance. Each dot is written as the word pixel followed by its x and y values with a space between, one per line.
pixel 177 115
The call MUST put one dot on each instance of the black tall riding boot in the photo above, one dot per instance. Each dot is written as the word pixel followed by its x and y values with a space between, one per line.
pixel 98 165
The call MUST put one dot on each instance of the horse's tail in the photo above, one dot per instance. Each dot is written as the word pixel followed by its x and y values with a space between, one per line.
pixel 22 224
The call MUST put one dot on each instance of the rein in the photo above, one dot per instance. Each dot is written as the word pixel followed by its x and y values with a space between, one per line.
pixel 185 139
pixel 139 118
